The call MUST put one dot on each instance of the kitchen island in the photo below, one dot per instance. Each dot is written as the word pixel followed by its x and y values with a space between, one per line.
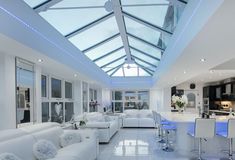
pixel 183 143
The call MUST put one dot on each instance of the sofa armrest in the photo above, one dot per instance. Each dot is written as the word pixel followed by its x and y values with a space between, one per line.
pixel 99 125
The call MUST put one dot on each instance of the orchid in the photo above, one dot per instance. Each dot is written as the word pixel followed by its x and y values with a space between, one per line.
pixel 179 101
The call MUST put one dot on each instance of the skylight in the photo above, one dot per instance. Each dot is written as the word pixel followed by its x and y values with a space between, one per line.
pixel 126 39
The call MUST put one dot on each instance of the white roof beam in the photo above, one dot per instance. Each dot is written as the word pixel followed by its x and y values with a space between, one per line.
pixel 121 26
pixel 45 5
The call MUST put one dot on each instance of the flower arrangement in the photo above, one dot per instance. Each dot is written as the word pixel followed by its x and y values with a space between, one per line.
pixel 180 102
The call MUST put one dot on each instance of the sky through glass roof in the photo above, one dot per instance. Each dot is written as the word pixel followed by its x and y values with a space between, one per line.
pixel 114 34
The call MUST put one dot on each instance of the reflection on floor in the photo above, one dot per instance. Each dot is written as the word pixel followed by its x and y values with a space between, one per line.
pixel 140 144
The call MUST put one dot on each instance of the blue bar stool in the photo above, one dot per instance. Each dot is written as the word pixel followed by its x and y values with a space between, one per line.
pixel 229 134
pixel 168 128
pixel 160 124
pixel 203 128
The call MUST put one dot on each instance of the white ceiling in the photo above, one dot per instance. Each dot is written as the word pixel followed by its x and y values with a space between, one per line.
pixel 215 43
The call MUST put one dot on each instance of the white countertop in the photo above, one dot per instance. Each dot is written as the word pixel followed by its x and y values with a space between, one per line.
pixel 188 117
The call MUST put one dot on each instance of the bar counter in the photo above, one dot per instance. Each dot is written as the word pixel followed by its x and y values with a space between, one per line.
pixel 183 143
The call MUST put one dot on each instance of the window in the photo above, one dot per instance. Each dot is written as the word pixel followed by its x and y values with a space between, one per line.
pixel 56 88
pixel 57 114
pixel 85 96
pixel 69 111
pixel 44 85
pixel 68 90
pixel 45 112
pixel 57 110
pixel 123 100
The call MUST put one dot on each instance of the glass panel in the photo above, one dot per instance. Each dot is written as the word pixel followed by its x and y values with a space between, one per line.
pixel 85 96
pixel 143 72
pixel 130 70
pixel 69 111
pixel 24 91
pixel 70 18
pixel 117 95
pixel 142 31
pixel 114 64
pixel 145 64
pixel 111 57
pixel 144 57
pixel 118 73
pixel 57 114
pixel 95 95
pixel 79 3
pixel 144 47
pixel 55 88
pixel 45 112
pixel 118 106
pixel 44 85
pixel 105 48
pixel 68 90
pixel 95 34
pixel 154 14
pixel 34 3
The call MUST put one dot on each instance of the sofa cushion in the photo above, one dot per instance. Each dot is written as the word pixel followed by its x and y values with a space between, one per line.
pixel 44 150
pixel 52 134
pixel 83 150
pixel 8 156
pixel 107 118
pixel 69 138
pixel 21 146
pixel 145 114
pixel 132 113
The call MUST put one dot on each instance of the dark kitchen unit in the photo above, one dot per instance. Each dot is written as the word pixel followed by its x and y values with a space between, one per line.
pixel 219 97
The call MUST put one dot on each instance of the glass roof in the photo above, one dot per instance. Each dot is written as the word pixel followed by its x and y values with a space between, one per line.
pixel 122 41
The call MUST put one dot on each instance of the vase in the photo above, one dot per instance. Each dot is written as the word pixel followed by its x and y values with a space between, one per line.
pixel 180 110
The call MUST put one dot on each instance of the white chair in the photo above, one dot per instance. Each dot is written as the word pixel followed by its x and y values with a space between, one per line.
pixel 203 129
pixel 229 134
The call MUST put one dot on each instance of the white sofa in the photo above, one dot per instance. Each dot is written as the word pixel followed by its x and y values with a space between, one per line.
pixel 20 142
pixel 138 118
pixel 107 125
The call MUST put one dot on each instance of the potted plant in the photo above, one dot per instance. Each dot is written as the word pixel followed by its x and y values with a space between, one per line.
pixel 180 102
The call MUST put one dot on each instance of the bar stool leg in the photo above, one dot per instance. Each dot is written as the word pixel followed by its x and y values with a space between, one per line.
pixel 199 149
pixel 168 148
pixel 161 136
pixel 230 148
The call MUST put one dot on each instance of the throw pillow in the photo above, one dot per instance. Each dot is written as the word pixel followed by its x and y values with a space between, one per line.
pixel 8 156
pixel 44 149
pixel 69 138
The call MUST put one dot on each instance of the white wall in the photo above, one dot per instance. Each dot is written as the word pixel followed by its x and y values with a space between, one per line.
pixel 77 97
pixel 37 94
pixel 7 92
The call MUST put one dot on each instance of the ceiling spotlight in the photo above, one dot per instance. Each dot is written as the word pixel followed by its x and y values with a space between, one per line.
pixel 40 60
pixel 202 59
pixel 108 6
pixel 184 72
pixel 75 75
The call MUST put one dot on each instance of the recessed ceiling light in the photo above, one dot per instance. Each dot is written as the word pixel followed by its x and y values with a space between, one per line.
pixel 75 75
pixel 212 71
pixel 202 59
pixel 40 60
pixel 184 72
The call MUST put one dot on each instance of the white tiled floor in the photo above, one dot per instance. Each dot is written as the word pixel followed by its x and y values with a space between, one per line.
pixel 139 144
